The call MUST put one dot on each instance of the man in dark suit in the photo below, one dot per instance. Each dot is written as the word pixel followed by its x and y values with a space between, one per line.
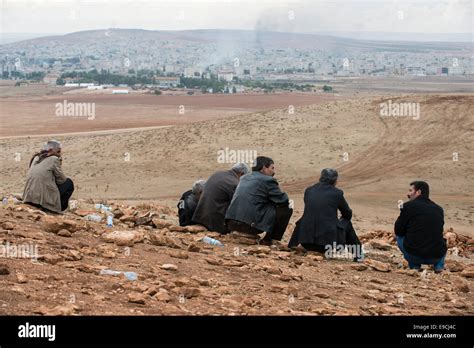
pixel 319 229
pixel 216 197
pixel 419 229
pixel 259 205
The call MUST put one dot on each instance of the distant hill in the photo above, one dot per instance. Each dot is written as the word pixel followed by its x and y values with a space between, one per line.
pixel 80 41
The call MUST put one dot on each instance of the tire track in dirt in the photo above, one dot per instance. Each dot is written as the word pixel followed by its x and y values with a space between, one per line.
pixel 408 145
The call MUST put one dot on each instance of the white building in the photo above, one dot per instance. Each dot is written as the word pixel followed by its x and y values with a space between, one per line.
pixel 225 75
pixel 95 87
pixel 50 79
pixel 167 82
pixel 193 71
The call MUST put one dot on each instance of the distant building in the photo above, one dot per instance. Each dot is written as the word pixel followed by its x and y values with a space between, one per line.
pixel 443 71
pixel 225 75
pixel 167 82
pixel 193 71
pixel 120 91
pixel 50 79
pixel 169 68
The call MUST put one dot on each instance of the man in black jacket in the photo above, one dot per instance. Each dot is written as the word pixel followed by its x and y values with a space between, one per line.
pixel 259 205
pixel 188 203
pixel 419 229
pixel 216 197
pixel 319 229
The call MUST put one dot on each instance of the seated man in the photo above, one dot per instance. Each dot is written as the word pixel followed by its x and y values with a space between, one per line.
pixel 46 185
pixel 188 203
pixel 259 205
pixel 419 229
pixel 216 197
pixel 319 229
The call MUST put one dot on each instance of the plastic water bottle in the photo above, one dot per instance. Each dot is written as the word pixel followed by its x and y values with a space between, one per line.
pixel 5 201
pixel 102 207
pixel 130 275
pixel 110 220
pixel 110 272
pixel 93 217
pixel 212 241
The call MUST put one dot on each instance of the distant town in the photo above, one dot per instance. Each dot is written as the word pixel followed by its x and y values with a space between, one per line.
pixel 139 59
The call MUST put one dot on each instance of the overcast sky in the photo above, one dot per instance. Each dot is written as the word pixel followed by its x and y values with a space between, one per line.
pixel 64 16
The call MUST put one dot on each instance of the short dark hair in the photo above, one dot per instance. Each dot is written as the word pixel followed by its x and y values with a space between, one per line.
pixel 422 186
pixel 328 176
pixel 260 162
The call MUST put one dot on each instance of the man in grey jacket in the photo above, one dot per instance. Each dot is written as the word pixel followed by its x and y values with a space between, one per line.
pixel 46 185
pixel 259 205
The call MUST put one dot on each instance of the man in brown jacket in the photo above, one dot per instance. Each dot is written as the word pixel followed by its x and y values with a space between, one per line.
pixel 216 197
pixel 46 185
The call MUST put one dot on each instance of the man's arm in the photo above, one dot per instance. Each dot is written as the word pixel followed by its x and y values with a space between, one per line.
pixel 346 212
pixel 58 172
pixel 275 194
pixel 402 220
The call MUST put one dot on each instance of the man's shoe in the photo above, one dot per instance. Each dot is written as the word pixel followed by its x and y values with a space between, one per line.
pixel 267 242
pixel 244 238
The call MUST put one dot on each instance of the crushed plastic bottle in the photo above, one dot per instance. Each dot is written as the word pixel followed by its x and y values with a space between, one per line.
pixel 211 241
pixel 110 272
pixel 93 217
pixel 110 220
pixel 129 275
pixel 102 207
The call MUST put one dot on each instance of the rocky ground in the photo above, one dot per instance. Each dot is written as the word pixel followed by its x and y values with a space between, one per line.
pixel 51 265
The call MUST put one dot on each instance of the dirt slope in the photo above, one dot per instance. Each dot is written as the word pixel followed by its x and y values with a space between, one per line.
pixel 180 275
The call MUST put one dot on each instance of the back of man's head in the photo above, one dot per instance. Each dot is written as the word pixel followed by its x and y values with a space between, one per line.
pixel 260 162
pixel 328 176
pixel 52 145
pixel 422 186
pixel 198 186
pixel 241 168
